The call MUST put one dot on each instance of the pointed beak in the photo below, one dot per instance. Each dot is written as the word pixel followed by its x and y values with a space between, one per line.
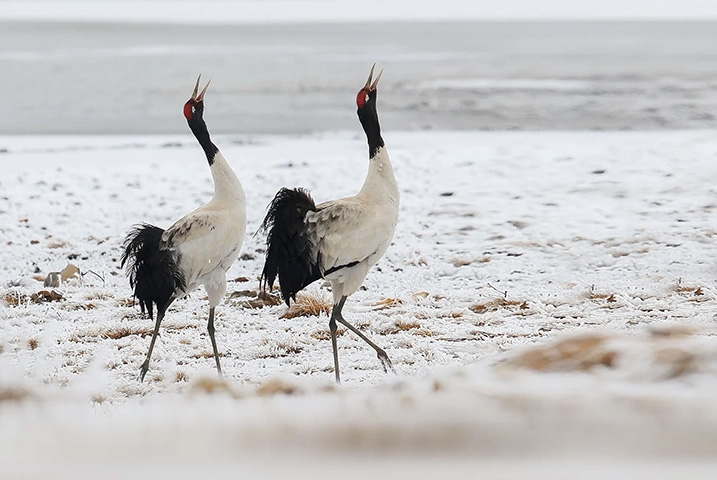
pixel 370 76
pixel 204 90
pixel 196 88
pixel 372 86
pixel 200 97
pixel 375 82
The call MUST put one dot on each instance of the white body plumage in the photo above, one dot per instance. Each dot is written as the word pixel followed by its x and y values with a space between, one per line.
pixel 356 229
pixel 209 239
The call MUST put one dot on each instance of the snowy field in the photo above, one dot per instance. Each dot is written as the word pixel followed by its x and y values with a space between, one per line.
pixel 548 303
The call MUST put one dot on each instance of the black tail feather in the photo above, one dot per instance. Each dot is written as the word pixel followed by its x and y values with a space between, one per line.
pixel 153 273
pixel 289 250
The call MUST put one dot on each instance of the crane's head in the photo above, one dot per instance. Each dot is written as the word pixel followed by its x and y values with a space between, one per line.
pixel 366 103
pixel 366 97
pixel 194 108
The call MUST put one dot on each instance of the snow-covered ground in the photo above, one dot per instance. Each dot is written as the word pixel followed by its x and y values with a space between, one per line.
pixel 548 303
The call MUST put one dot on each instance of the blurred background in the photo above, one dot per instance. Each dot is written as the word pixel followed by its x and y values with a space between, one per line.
pixel 293 66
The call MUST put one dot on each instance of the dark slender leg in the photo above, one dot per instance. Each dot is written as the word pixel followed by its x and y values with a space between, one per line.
pixel 385 361
pixel 149 309
pixel 210 328
pixel 145 366
pixel 332 329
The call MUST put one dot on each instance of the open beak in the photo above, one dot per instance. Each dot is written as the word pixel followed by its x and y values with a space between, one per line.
pixel 372 86
pixel 200 97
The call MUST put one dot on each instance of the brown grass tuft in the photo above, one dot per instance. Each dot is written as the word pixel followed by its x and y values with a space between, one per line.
pixel 688 289
pixel 121 332
pixel 677 361
pixel 44 296
pixel 254 299
pixel 577 353
pixel 308 306
pixel 404 326
pixel 608 297
pixel 14 299
pixel 126 302
pixel 213 385
pixel 206 354
pixel 498 304
pixel 13 394
pixel 99 296
pixel 326 334
pixel 32 343
pixel 277 387
pixel 387 303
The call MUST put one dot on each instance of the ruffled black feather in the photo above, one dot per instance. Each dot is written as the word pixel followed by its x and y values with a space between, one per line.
pixel 289 250
pixel 153 273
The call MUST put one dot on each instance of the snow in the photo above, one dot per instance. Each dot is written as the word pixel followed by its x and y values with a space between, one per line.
pixel 547 302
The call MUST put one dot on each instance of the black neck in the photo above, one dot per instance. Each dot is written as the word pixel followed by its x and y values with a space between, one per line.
pixel 369 121
pixel 199 129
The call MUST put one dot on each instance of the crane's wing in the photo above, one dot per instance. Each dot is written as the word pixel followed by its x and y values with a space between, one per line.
pixel 205 239
pixel 347 232
pixel 192 227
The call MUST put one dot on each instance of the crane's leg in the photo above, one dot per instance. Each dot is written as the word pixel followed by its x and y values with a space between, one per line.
pixel 149 309
pixel 385 361
pixel 332 329
pixel 210 328
pixel 145 366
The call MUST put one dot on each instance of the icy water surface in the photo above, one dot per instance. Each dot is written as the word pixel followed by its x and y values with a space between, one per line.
pixel 112 78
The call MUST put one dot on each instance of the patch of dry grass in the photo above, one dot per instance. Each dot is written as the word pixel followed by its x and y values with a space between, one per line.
pixel 594 295
pixel 100 296
pixel 411 326
pixel 277 387
pixel 667 352
pixel 126 302
pixel 13 394
pixel 326 334
pixel 577 353
pixel 420 295
pixel 387 303
pixel 43 296
pixel 681 288
pixel 212 386
pixel 498 304
pixel 121 332
pixel 278 349
pixel 255 299
pixel 206 354
pixel 307 305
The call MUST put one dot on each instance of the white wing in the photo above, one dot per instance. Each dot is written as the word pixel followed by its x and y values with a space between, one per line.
pixel 346 231
pixel 205 239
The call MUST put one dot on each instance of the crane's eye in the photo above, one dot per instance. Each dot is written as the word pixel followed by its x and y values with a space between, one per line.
pixel 193 109
pixel 366 99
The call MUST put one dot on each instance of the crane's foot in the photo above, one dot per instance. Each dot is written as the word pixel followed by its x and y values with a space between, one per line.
pixel 143 370
pixel 385 361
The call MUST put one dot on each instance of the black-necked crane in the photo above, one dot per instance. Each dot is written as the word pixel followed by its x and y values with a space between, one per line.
pixel 337 240
pixel 197 249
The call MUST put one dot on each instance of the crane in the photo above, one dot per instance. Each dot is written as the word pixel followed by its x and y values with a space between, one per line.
pixel 338 240
pixel 198 249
